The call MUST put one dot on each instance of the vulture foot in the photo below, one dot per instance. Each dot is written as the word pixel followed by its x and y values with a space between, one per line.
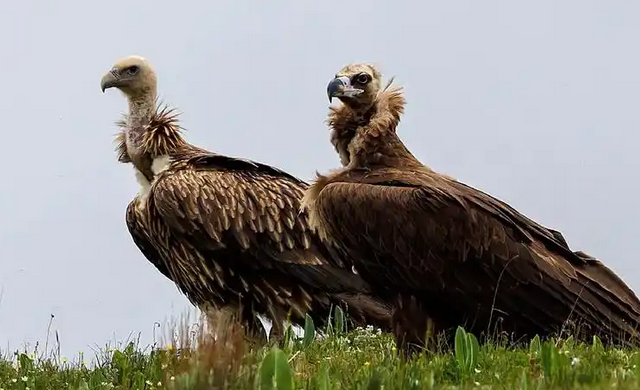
pixel 276 333
pixel 413 329
pixel 254 330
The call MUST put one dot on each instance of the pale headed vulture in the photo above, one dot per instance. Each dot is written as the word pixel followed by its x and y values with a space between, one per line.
pixel 226 231
pixel 446 254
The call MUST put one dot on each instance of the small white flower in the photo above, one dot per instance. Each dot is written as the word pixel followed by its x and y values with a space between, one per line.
pixel 173 378
pixel 575 361
pixel 24 378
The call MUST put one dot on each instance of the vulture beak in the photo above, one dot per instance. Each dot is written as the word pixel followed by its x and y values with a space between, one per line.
pixel 341 87
pixel 109 80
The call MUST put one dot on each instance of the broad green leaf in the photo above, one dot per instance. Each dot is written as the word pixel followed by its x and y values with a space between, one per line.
pixel 275 372
pixel 339 320
pixel 309 331
pixel 534 346
pixel 473 349
pixel 460 347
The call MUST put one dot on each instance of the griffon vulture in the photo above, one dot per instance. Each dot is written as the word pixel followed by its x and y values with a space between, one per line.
pixel 443 253
pixel 226 231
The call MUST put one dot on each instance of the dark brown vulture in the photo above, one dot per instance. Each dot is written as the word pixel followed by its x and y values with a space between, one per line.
pixel 226 231
pixel 444 253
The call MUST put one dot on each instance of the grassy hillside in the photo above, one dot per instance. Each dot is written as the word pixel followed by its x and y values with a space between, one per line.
pixel 357 359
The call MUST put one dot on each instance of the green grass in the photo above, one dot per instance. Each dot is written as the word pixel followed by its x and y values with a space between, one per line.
pixel 357 359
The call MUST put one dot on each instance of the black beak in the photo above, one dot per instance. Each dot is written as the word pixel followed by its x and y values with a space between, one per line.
pixel 109 80
pixel 337 86
pixel 341 87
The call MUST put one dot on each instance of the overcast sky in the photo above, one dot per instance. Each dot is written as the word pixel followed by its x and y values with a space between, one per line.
pixel 534 103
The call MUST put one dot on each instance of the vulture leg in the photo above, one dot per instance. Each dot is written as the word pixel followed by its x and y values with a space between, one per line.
pixel 413 329
pixel 277 324
pixel 254 329
pixel 277 331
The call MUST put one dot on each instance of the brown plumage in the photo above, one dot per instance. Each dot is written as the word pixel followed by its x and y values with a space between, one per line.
pixel 445 252
pixel 226 231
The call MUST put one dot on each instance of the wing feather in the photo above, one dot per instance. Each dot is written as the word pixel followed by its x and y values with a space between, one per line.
pixel 255 220
pixel 243 206
pixel 138 231
pixel 229 230
pixel 408 235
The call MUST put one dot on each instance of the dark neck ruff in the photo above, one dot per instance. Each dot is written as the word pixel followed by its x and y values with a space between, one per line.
pixel 369 139
pixel 343 133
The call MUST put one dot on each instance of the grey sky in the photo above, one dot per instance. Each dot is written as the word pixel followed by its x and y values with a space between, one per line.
pixel 534 103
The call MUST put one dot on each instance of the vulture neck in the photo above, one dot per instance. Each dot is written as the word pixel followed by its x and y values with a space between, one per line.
pixel 151 138
pixel 141 111
pixel 367 138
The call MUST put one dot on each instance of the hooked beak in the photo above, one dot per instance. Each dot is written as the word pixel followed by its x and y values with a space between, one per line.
pixel 109 80
pixel 341 87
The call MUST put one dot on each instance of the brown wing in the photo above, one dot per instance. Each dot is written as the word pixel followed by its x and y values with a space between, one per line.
pixel 251 219
pixel 404 230
pixel 139 234
pixel 609 286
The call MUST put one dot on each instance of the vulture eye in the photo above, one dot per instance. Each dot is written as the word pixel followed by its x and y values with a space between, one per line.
pixel 132 70
pixel 363 78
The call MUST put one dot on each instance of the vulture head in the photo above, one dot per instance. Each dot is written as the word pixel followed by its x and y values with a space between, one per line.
pixel 133 76
pixel 356 85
